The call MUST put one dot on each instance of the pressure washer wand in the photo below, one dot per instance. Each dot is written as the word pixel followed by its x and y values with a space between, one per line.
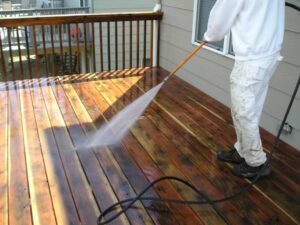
pixel 185 60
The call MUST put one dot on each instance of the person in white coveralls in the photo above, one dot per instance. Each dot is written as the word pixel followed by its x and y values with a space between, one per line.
pixel 257 29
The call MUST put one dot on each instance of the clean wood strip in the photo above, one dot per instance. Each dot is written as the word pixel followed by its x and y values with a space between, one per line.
pixel 63 203
pixel 9 30
pixel 20 54
pixel 3 156
pixel 40 196
pixel 108 45
pixel 137 44
pixel 116 45
pixel 3 66
pixel 19 202
pixel 61 50
pixel 94 104
pixel 54 66
pixel 93 48
pixel 101 47
pixel 83 197
pixel 70 48
pixel 45 52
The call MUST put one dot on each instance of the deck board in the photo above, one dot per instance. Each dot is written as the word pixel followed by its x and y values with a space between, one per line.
pixel 43 178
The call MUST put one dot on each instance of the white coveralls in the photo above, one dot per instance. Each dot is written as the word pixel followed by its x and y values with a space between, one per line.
pixel 257 28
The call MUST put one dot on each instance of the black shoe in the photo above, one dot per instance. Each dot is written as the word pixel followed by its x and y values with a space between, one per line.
pixel 245 171
pixel 231 156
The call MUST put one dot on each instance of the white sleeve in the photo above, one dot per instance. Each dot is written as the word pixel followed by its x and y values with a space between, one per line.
pixel 221 18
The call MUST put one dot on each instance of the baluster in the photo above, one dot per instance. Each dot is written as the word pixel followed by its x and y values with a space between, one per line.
pixel 53 51
pixel 2 60
pixel 145 43
pixel 158 43
pixel 108 45
pixel 151 44
pixel 28 53
pixel 116 45
pixel 93 48
pixel 10 52
pixel 101 46
pixel 20 54
pixel 70 48
pixel 137 44
pixel 61 49
pixel 130 44
pixel 78 47
pixel 45 51
pixel 85 49
pixel 37 64
pixel 123 44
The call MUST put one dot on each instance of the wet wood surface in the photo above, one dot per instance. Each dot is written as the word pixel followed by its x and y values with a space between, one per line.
pixel 44 177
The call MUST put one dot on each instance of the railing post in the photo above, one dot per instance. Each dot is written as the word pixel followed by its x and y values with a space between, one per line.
pixel 156 44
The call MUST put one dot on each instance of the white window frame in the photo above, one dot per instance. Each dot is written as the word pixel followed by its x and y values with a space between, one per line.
pixel 226 44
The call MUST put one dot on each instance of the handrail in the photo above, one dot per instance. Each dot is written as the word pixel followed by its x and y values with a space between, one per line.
pixel 80 43
pixel 79 18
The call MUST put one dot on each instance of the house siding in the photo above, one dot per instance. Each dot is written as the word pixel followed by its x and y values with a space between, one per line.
pixel 210 71
pixel 104 6
pixel 123 5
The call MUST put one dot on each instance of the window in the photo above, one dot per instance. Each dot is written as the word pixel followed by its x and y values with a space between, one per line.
pixel 201 13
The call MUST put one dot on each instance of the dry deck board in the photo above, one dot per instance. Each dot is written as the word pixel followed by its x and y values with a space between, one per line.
pixel 65 113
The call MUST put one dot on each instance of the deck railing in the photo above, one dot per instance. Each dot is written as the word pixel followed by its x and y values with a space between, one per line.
pixel 68 44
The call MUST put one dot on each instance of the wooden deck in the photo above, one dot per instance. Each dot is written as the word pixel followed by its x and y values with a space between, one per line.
pixel 44 181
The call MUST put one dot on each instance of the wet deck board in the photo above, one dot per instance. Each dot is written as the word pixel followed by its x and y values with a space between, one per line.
pixel 42 177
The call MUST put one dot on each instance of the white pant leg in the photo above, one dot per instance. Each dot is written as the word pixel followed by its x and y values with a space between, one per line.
pixel 249 86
